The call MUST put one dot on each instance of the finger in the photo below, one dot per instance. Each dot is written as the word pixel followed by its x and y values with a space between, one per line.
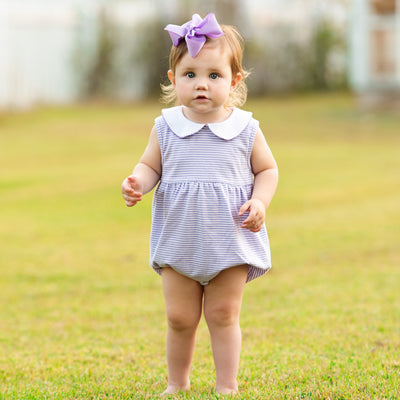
pixel 130 203
pixel 131 179
pixel 252 217
pixel 257 228
pixel 135 196
pixel 133 182
pixel 253 228
pixel 253 222
pixel 126 186
pixel 129 191
pixel 245 207
pixel 248 224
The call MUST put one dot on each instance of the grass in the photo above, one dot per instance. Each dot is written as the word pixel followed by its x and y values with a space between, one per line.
pixel 81 313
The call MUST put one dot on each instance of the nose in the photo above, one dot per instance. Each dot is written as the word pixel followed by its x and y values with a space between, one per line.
pixel 201 84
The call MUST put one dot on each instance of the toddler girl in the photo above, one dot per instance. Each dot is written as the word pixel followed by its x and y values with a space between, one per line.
pixel 216 178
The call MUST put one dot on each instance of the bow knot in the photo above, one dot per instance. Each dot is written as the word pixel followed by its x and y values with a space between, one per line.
pixel 195 32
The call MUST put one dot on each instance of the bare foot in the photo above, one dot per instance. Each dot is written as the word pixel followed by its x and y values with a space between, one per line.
pixel 226 391
pixel 174 389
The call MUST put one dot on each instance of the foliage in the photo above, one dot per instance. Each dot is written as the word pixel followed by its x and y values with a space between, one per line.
pixel 127 62
pixel 151 53
pixel 82 313
pixel 99 75
pixel 280 62
pixel 324 42
pixel 132 62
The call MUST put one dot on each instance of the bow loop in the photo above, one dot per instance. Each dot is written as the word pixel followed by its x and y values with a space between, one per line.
pixel 195 32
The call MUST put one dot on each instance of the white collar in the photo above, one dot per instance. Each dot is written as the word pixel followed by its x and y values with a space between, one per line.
pixel 227 129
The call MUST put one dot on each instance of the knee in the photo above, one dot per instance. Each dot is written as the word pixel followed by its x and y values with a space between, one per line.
pixel 182 321
pixel 221 315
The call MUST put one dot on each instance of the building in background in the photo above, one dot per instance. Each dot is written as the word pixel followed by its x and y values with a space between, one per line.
pixel 55 51
pixel 35 54
pixel 375 51
pixel 47 47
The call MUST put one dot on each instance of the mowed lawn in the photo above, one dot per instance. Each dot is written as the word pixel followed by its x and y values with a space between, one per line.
pixel 82 313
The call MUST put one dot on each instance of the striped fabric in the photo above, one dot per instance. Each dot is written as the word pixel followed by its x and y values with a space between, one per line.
pixel 205 180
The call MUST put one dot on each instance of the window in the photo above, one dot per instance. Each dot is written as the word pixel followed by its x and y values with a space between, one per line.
pixel 383 39
pixel 383 55
pixel 383 7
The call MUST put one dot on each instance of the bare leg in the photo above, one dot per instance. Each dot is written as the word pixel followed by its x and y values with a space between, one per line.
pixel 222 304
pixel 183 302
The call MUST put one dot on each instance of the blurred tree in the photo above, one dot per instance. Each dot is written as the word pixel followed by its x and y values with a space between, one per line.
pixel 282 63
pixel 152 54
pixel 131 62
pixel 99 75
pixel 325 40
pixel 153 49
pixel 226 11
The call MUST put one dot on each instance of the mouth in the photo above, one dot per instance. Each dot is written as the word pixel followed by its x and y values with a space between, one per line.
pixel 201 97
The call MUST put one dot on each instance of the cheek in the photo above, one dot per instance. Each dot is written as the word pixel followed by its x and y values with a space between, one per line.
pixel 181 86
pixel 182 90
pixel 225 88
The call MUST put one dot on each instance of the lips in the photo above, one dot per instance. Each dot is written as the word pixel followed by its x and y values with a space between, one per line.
pixel 201 97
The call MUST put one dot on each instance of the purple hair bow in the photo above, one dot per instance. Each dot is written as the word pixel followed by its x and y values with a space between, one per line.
pixel 195 32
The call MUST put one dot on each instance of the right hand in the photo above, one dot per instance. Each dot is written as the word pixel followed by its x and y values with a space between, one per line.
pixel 132 190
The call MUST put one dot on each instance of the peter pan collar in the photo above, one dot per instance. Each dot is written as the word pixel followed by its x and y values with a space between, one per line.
pixel 228 129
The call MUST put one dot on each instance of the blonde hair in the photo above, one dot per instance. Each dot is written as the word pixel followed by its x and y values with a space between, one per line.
pixel 235 43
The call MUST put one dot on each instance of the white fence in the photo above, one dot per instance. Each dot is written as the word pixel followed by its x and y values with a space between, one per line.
pixel 39 44
pixel 35 55
pixel 40 40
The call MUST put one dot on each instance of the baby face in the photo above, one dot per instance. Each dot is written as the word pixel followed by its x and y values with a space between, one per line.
pixel 203 83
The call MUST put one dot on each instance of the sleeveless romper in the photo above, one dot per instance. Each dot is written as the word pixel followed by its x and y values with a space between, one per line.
pixel 206 178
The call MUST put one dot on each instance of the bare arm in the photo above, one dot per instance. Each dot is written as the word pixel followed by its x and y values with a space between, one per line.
pixel 146 173
pixel 265 172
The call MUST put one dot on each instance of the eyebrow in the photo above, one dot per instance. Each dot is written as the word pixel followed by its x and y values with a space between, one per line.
pixel 209 68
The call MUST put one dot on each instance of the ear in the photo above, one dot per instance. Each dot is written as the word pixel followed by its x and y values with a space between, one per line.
pixel 235 80
pixel 171 76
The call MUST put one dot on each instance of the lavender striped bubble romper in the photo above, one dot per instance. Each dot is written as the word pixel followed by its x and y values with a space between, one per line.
pixel 206 178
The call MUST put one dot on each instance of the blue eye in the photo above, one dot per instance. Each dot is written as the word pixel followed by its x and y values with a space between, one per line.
pixel 214 75
pixel 190 74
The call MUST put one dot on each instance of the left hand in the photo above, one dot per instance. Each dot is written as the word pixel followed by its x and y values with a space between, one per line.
pixel 255 220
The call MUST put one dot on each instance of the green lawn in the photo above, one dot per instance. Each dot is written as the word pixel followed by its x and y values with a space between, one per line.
pixel 82 314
